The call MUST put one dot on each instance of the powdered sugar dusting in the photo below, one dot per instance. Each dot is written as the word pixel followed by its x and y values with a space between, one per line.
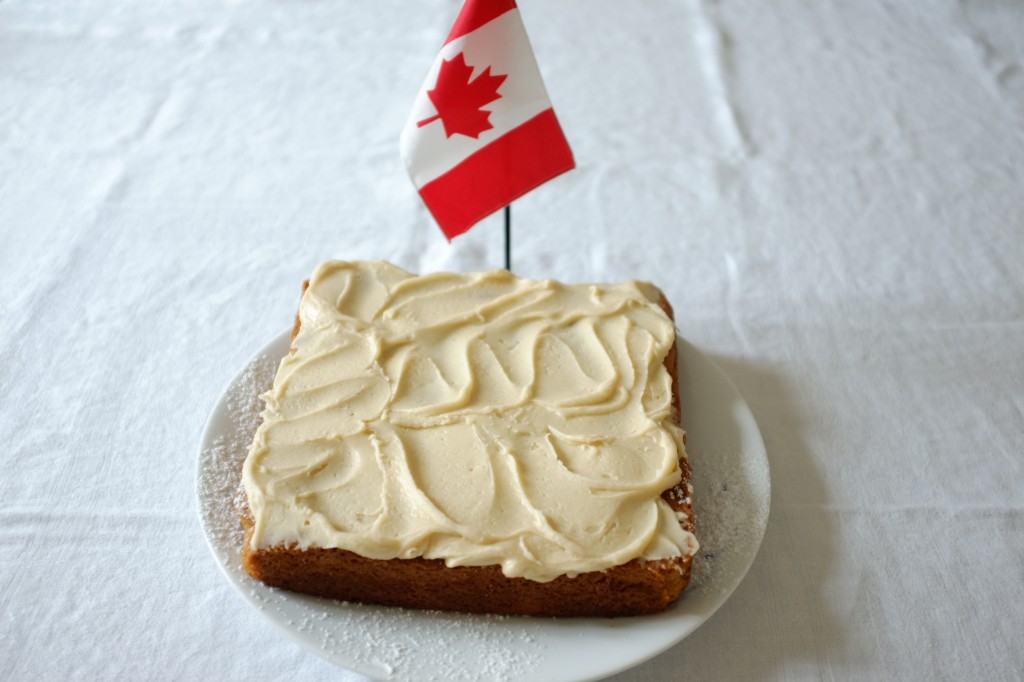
pixel 731 516
pixel 394 641
pixel 218 480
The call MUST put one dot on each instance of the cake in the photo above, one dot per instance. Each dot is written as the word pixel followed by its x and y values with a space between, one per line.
pixel 473 442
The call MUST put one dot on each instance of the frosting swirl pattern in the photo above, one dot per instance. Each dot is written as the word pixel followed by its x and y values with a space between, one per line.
pixel 475 418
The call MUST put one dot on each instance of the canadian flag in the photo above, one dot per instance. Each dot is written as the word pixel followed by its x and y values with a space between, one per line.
pixel 482 131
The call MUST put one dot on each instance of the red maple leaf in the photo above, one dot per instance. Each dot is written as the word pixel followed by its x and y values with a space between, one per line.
pixel 458 99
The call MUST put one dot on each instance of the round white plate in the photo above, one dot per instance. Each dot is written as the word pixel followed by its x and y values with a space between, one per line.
pixel 731 494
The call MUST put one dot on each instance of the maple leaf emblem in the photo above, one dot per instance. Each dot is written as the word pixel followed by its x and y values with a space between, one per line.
pixel 459 100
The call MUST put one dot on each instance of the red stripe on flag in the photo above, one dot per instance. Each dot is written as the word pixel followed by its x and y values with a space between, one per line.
pixel 523 158
pixel 476 13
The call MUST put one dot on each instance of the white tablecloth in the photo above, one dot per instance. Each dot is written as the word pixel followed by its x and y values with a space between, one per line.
pixel 829 193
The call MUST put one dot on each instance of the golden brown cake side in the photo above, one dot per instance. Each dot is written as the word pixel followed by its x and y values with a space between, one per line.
pixel 636 587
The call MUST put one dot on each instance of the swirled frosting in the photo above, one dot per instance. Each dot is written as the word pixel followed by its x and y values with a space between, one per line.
pixel 475 418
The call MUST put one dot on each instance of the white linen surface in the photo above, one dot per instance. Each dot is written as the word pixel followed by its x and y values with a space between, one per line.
pixel 829 193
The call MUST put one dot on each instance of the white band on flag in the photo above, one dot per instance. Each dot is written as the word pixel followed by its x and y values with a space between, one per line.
pixel 502 45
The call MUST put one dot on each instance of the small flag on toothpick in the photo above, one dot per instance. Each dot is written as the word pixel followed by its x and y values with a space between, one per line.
pixel 482 132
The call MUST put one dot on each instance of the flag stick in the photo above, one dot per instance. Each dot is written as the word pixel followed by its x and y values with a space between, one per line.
pixel 508 238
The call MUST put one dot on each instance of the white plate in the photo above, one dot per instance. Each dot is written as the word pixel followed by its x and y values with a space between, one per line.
pixel 732 490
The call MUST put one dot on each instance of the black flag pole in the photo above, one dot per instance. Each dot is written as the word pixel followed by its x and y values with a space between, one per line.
pixel 508 237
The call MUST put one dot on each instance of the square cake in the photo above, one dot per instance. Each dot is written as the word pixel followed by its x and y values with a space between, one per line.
pixel 473 442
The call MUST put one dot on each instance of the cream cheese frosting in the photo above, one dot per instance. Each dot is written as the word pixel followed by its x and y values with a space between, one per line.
pixel 475 418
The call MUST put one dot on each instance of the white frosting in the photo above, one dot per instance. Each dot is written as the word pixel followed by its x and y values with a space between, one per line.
pixel 479 419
